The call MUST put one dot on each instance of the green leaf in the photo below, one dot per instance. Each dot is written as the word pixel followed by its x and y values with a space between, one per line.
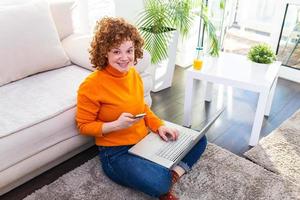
pixel 222 4
pixel 261 53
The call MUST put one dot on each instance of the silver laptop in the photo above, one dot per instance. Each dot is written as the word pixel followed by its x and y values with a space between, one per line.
pixel 168 154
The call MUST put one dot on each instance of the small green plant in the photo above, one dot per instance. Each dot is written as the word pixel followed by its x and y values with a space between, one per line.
pixel 261 53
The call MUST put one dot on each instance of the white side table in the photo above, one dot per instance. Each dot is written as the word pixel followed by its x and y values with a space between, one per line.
pixel 236 71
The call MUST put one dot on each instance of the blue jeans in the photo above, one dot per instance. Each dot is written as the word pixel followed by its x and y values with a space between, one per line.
pixel 140 174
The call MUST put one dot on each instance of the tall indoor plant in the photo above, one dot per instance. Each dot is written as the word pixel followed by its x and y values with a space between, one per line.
pixel 161 17
pixel 159 24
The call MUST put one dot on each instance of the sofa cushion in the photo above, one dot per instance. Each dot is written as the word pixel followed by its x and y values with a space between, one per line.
pixel 37 98
pixel 44 160
pixel 147 81
pixel 144 63
pixel 62 13
pixel 30 141
pixel 29 41
pixel 77 48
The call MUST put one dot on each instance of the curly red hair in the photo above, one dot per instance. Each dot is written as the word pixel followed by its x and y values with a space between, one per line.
pixel 110 33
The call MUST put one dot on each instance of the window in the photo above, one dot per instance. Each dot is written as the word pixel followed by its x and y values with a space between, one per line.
pixel 288 50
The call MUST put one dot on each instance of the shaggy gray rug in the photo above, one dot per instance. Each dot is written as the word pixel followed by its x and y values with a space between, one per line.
pixel 218 175
pixel 279 152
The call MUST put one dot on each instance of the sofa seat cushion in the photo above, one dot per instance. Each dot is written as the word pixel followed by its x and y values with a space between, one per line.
pixel 38 112
pixel 26 143
pixel 37 98
pixel 42 161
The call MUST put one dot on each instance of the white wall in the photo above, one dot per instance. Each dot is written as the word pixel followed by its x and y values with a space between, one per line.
pixel 98 9
pixel 87 12
pixel 129 9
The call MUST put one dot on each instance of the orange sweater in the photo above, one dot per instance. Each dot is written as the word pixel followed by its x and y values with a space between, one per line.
pixel 103 96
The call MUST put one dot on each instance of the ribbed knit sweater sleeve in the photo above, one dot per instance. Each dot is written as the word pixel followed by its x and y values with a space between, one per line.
pixel 152 121
pixel 87 110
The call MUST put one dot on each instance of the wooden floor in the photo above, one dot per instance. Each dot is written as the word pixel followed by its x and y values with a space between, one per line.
pixel 231 131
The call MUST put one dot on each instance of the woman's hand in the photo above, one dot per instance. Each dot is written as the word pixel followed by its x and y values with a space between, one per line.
pixel 167 133
pixel 126 120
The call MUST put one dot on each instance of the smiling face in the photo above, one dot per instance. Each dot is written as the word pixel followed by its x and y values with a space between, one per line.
pixel 122 57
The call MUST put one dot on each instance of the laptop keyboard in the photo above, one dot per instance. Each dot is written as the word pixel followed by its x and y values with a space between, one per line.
pixel 173 149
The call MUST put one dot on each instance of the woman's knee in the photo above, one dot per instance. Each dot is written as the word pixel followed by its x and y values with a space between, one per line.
pixel 142 175
pixel 158 186
pixel 154 180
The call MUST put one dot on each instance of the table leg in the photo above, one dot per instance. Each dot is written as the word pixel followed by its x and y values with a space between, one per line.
pixel 188 101
pixel 258 119
pixel 270 98
pixel 208 91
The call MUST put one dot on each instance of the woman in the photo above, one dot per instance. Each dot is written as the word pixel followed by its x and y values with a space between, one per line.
pixel 109 98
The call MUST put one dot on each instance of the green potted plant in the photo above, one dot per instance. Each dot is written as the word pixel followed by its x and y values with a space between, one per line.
pixel 261 53
pixel 161 17
pixel 159 24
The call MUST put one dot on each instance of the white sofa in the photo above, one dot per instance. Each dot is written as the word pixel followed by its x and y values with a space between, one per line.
pixel 41 66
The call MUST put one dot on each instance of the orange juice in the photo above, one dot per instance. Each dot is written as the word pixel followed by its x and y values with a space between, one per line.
pixel 197 64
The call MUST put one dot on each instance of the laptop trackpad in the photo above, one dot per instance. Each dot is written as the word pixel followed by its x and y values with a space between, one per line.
pixel 149 146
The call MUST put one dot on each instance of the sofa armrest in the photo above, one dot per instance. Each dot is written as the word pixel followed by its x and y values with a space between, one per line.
pixel 77 48
pixel 144 63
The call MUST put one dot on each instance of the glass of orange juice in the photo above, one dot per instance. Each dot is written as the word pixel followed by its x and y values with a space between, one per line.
pixel 197 64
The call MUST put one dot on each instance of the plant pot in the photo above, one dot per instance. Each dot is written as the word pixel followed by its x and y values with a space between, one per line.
pixel 164 70
pixel 259 69
pixel 259 66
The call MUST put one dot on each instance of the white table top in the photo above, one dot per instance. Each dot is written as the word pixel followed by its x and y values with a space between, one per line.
pixel 236 70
